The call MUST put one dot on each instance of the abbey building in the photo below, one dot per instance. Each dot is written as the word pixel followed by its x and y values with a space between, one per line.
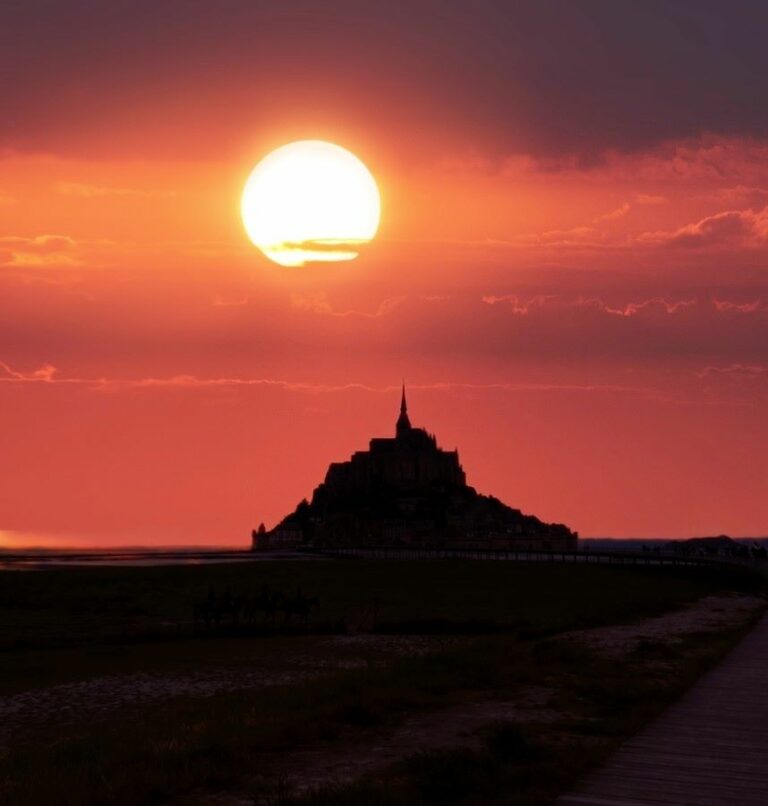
pixel 406 491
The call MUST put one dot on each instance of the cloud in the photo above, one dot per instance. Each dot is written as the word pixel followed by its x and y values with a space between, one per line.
pixel 741 371
pixel 652 305
pixel 31 259
pixel 716 158
pixel 742 307
pixel 327 339
pixel 220 301
pixel 481 76
pixel 650 199
pixel 656 304
pixel 48 374
pixel 669 388
pixel 575 237
pixel 44 374
pixel 619 212
pixel 516 304
pixel 40 250
pixel 86 191
pixel 597 331
pixel 706 157
pixel 728 228
pixel 703 157
pixel 40 243
pixel 318 303
pixel 745 379
pixel 741 194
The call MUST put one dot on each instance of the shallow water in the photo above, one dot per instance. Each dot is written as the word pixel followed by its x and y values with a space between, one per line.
pixel 41 559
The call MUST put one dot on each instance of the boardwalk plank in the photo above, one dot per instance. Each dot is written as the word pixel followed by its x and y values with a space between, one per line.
pixel 707 765
pixel 676 780
pixel 709 749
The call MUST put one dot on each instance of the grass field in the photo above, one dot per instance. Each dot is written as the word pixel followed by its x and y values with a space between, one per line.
pixel 88 605
pixel 491 631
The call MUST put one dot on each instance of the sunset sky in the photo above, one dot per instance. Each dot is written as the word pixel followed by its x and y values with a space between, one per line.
pixel 571 271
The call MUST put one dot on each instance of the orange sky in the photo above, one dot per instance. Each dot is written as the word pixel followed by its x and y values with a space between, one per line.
pixel 581 309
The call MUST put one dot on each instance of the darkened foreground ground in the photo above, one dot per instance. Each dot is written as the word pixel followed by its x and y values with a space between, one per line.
pixel 414 683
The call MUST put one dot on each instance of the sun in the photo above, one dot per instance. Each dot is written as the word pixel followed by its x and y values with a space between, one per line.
pixel 310 201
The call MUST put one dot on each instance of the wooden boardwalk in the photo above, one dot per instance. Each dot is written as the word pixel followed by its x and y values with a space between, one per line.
pixel 709 749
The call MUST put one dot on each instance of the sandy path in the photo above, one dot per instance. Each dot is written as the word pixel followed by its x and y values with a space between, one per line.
pixel 710 613
pixel 100 697
pixel 70 703
pixel 459 726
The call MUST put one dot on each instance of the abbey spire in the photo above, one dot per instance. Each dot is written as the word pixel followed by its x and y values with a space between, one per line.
pixel 403 423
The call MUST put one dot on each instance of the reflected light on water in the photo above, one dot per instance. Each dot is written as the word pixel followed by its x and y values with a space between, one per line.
pixel 12 539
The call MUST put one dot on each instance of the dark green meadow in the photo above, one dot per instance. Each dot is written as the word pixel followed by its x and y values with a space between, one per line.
pixel 494 628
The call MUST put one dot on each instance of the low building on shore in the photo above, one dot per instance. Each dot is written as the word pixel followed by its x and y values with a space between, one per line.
pixel 285 536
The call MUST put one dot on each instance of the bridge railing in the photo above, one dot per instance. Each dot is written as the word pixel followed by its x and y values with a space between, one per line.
pixel 510 555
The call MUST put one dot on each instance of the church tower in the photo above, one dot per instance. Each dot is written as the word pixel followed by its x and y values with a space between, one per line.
pixel 403 423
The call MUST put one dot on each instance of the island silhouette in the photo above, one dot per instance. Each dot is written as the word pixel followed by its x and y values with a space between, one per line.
pixel 407 491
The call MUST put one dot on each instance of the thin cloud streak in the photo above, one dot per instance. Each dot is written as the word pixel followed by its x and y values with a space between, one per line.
pixel 318 303
pixel 49 375
pixel 86 191
pixel 522 307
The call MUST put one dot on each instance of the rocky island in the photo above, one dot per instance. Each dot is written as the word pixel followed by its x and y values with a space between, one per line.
pixel 407 491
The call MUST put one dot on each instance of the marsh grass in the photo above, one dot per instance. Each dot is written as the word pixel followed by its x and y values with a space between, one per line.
pixel 174 751
pixel 228 741
pixel 603 701
pixel 86 605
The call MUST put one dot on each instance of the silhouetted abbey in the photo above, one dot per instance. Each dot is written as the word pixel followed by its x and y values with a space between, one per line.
pixel 405 490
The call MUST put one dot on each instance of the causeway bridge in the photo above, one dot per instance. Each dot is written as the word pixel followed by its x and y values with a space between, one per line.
pixel 596 557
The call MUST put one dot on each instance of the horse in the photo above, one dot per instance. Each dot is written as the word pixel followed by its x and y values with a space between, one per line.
pixel 299 606
pixel 207 612
pixel 266 602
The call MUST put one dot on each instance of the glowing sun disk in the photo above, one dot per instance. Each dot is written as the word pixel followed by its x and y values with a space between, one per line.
pixel 310 201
